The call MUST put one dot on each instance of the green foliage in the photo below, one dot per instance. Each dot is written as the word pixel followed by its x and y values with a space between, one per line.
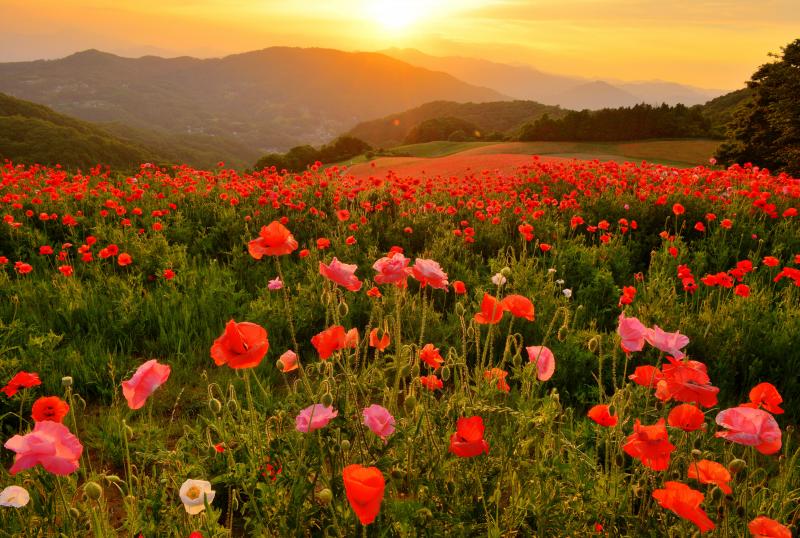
pixel 299 158
pixel 446 128
pixel 766 130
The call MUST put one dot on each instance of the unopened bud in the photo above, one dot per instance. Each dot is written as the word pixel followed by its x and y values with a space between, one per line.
pixel 66 381
pixel 410 403
pixel 344 445
pixel 93 490
pixel 445 373
pixel 424 514
pixel 324 496
pixel 716 494
pixel 505 271
pixel 279 365
pixel 215 406
pixel 327 399
pixel 737 466
pixel 74 512
pixel 696 453
pixel 415 370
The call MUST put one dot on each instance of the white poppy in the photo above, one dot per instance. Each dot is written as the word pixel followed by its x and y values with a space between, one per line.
pixel 193 493
pixel 567 292
pixel 498 279
pixel 14 496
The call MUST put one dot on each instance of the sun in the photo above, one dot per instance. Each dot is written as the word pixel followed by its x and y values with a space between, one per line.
pixel 396 14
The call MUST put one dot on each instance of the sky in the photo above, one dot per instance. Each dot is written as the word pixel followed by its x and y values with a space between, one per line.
pixel 710 44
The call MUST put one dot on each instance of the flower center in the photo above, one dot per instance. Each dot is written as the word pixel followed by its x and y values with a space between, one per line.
pixel 193 492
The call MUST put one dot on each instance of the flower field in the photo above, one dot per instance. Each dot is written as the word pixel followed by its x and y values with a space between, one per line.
pixel 565 348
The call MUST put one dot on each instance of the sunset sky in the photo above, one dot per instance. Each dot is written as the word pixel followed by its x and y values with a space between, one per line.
pixel 713 44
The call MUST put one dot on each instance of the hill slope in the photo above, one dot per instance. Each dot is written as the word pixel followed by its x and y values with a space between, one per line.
pixel 502 116
pixel 269 99
pixel 31 133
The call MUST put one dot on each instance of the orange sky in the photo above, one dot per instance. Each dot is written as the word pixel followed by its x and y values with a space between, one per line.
pixel 713 44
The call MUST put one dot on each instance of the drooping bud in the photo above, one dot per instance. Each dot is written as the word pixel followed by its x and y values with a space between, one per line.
pixel 93 490
pixel 324 496
pixel 215 406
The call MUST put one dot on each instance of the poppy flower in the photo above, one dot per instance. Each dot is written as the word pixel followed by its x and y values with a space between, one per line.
pixel 341 273
pixel 766 396
pixel 351 338
pixel 22 380
pixel 329 341
pixel 50 445
pixel 147 378
pixel 124 259
pixel 632 332
pixel 364 487
pixel 323 243
pixel 687 381
pixel 545 361
pixel 429 272
pixel 195 494
pixel 374 292
pixel 764 527
pixel 646 376
pixel 686 417
pixel 275 284
pixel 314 417
pixel 711 472
pixel 378 419
pixel 49 408
pixel 379 344
pixel 242 345
pixel 430 356
pixel 671 343
pixel 459 287
pixel 392 269
pixel 289 361
pixel 273 240
pixel 500 376
pixel 431 382
pixel 770 261
pixel 650 444
pixel 678 209
pixel 491 311
pixel 685 502
pixel 468 440
pixel 601 415
pixel 519 306
pixel 750 427
pixel 14 497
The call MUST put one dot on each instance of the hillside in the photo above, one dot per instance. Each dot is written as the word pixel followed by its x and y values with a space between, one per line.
pixel 493 117
pixel 720 111
pixel 266 100
pixel 31 133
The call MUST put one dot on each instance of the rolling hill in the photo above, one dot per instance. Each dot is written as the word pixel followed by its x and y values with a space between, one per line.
pixel 266 100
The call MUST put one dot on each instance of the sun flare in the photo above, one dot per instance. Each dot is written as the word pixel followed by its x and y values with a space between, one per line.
pixel 396 14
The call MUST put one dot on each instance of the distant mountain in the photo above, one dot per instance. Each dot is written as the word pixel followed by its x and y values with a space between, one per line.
pixel 495 117
pixel 522 82
pixel 266 100
pixel 31 133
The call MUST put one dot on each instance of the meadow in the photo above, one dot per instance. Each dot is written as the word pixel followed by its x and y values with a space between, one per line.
pixel 568 348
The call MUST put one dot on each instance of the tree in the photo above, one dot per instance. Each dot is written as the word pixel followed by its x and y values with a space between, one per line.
pixel 766 131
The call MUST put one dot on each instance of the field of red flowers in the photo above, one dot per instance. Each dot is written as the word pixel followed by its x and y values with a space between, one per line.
pixel 557 348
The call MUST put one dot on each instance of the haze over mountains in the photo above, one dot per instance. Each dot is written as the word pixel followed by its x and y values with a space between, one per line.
pixel 523 82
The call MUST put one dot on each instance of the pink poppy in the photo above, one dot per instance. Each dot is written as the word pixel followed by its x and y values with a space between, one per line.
pixel 341 273
pixel 632 332
pixel 50 444
pixel 314 417
pixel 351 338
pixel 379 420
pixel 392 269
pixel 429 272
pixel 148 377
pixel 545 361
pixel 671 343
pixel 750 427
pixel 289 361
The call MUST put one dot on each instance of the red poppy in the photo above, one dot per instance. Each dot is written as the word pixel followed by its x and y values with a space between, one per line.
pixel 273 240
pixel 764 527
pixel 687 381
pixel 378 343
pixel 342 215
pixel 459 287
pixel 430 356
pixel 678 209
pixel 374 292
pixel 328 341
pixel 323 243
pixel 600 414
pixel 711 472
pixel 766 396
pixel 650 444
pixel 468 440
pixel 22 380
pixel 364 487
pixel 500 376
pixel 124 259
pixel 685 502
pixel 519 306
pixel 770 261
pixel 49 408
pixel 491 310
pixel 431 382
pixel 686 417
pixel 242 345
pixel 646 376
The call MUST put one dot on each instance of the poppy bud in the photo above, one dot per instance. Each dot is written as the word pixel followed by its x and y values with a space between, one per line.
pixel 422 493
pixel 66 381
pixel 324 387
pixel 415 370
pixel 737 465
pixel 505 271
pixel 445 373
pixel 554 395
pixel 114 479
pixel 127 430
pixel 344 445
pixel 593 343
pixel 459 309
pixel 215 406
pixel 74 512
pixel 93 490
pixel 716 494
pixel 404 371
pixel 233 406
pixel 324 496
pixel 697 453
pixel 279 365
pixel 410 404
pixel 343 309
pixel 327 399
pixel 424 514
pixel 619 460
